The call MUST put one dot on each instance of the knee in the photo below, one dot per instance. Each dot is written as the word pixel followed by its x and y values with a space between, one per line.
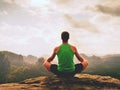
pixel 47 65
pixel 85 64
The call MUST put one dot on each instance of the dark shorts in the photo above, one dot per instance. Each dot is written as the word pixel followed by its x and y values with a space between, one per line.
pixel 78 69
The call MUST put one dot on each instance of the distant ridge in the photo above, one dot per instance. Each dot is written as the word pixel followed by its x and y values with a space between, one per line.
pixel 99 65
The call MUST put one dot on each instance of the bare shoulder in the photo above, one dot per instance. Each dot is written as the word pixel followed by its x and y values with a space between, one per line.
pixel 56 49
pixel 73 48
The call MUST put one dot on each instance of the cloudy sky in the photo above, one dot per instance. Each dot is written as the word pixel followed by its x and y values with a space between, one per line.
pixel 34 26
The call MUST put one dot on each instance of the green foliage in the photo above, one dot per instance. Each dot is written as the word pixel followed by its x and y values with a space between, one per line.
pixel 14 69
pixel 108 68
pixel 20 73
pixel 4 67
pixel 17 73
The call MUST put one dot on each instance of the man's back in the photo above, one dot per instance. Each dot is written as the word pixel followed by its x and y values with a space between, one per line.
pixel 65 58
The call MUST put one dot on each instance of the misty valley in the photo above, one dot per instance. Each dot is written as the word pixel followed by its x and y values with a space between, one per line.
pixel 15 67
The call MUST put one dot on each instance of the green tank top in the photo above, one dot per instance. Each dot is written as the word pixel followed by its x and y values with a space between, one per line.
pixel 65 58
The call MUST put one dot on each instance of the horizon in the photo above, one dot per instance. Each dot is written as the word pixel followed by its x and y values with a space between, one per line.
pixel 33 27
pixel 45 56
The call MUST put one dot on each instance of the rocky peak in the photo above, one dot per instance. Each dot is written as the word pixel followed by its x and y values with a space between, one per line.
pixel 79 82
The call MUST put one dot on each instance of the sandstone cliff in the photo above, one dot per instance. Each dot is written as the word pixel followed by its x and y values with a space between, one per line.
pixel 79 82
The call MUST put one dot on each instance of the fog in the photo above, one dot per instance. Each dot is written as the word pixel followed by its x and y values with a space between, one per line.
pixel 33 27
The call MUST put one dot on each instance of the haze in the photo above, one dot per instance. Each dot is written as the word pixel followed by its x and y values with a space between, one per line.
pixel 34 26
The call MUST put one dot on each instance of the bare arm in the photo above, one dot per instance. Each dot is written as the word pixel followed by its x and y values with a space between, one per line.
pixel 79 57
pixel 52 56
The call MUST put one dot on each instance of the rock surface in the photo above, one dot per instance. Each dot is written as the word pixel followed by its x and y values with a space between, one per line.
pixel 79 82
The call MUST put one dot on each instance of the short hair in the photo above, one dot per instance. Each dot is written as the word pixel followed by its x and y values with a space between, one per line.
pixel 65 36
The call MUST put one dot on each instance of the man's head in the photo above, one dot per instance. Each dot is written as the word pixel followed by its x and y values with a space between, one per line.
pixel 65 36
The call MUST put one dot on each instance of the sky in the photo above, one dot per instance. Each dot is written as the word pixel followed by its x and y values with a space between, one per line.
pixel 34 26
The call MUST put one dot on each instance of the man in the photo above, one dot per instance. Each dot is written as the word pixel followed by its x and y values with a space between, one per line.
pixel 65 53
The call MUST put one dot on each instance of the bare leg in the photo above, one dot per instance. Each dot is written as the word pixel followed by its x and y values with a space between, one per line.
pixel 47 65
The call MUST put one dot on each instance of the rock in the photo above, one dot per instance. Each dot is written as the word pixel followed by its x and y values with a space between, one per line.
pixel 79 82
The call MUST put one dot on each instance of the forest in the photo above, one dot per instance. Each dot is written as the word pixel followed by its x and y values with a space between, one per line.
pixel 15 67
